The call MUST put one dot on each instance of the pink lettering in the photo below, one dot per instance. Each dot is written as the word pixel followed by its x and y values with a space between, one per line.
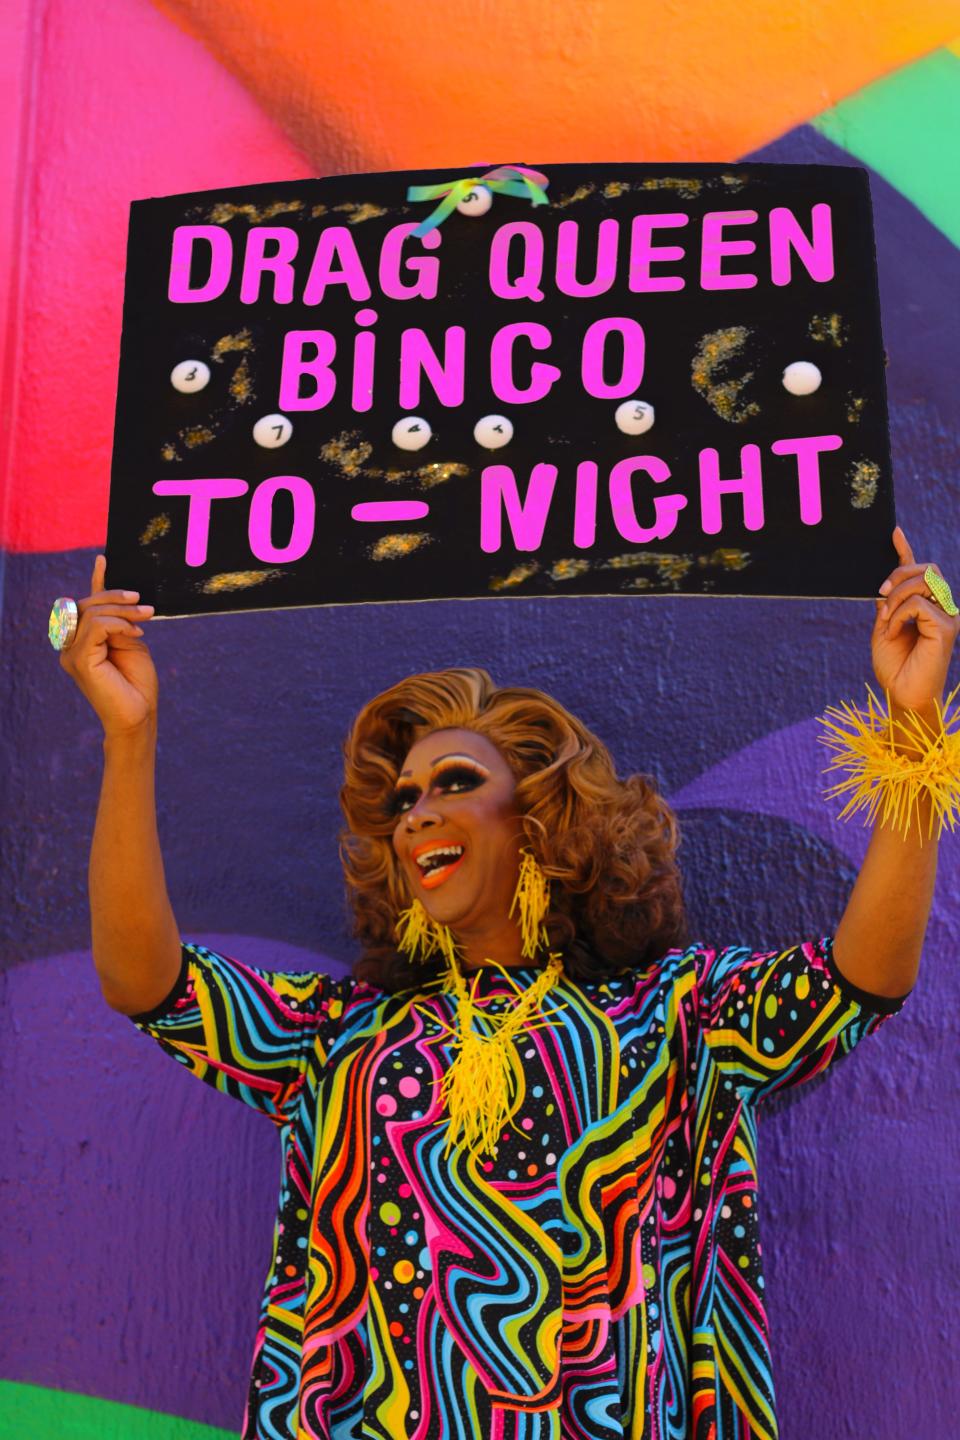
pixel 542 376
pixel 666 507
pixel 425 268
pixel 294 365
pixel 181 261
pixel 446 377
pixel 808 450
pixel 336 262
pixel 605 269
pixel 256 261
pixel 749 485
pixel 260 527
pixel 592 358
pixel 816 254
pixel 715 248
pixel 585 505
pixel 527 520
pixel 643 253
pixel 201 494
pixel 527 284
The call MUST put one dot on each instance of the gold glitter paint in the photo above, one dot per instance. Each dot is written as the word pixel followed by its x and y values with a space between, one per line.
pixel 396 547
pixel 582 192
pixel 630 561
pixel 639 582
pixel 733 183
pixel 227 344
pixel 241 386
pixel 357 213
pixel 167 452
pixel 864 476
pixel 688 187
pixel 715 351
pixel 393 476
pixel 569 569
pixel 317 211
pixel 154 529
pixel 347 451
pixel 222 213
pixel 727 559
pixel 855 404
pixel 197 435
pixel 669 567
pixel 237 580
pixel 828 329
pixel 516 577
pixel 438 474
pixel 615 188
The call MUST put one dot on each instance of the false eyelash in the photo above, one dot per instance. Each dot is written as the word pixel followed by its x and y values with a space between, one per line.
pixel 447 774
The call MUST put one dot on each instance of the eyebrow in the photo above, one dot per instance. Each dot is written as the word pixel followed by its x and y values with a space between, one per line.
pixel 453 755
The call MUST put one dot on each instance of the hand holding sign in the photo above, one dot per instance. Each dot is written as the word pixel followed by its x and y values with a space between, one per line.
pixel 913 636
pixel 108 659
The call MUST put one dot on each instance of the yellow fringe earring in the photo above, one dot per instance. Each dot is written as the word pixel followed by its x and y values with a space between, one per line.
pixel 419 937
pixel 532 899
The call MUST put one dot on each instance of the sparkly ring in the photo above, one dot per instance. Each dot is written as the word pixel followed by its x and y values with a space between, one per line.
pixel 63 623
pixel 940 591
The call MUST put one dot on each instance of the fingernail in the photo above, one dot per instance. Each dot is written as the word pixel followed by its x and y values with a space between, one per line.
pixel 886 587
pixel 131 594
pixel 883 612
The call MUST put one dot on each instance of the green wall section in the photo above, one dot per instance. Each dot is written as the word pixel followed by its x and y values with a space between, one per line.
pixel 31 1412
pixel 905 127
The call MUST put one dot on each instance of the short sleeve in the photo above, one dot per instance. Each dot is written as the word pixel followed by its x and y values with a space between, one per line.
pixel 772 1019
pixel 247 1032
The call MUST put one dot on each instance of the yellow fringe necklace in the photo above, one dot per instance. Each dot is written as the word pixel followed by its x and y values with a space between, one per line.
pixel 484 1085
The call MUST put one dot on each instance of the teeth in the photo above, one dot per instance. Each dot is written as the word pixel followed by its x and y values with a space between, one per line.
pixel 424 860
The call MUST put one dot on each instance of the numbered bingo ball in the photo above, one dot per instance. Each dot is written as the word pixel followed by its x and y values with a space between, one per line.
pixel 634 417
pixel 272 431
pixel 492 431
pixel 411 433
pixel 801 378
pixel 190 376
pixel 476 201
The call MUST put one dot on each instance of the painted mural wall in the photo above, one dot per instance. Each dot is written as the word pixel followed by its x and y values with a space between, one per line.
pixel 137 1206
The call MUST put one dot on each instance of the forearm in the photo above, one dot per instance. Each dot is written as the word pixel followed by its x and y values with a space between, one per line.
pixel 136 942
pixel 879 940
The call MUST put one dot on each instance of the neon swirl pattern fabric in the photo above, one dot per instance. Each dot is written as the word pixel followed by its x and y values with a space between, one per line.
pixel 600 1278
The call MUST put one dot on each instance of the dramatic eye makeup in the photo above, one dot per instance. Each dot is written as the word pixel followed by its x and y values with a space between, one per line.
pixel 453 777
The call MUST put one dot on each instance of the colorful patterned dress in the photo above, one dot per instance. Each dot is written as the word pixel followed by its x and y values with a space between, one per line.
pixel 600 1278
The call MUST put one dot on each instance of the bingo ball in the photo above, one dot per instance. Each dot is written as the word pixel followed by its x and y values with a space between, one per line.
pixel 272 431
pixel 801 378
pixel 492 431
pixel 190 375
pixel 476 201
pixel 634 417
pixel 411 433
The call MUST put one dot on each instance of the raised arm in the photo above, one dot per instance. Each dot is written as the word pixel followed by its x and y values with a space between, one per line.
pixel 878 943
pixel 136 943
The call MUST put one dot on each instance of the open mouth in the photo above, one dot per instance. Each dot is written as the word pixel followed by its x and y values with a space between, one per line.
pixel 436 863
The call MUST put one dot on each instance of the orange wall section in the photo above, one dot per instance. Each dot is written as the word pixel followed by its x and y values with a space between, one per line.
pixel 389 84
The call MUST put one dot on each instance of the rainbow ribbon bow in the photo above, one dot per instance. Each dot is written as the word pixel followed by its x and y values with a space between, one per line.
pixel 507 179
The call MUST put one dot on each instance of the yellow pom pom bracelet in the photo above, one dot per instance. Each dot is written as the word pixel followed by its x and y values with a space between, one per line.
pixel 885 781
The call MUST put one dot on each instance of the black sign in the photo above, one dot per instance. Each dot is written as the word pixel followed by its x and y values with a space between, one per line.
pixel 595 379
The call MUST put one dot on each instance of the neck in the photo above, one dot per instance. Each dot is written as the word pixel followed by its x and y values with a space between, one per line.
pixel 496 944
